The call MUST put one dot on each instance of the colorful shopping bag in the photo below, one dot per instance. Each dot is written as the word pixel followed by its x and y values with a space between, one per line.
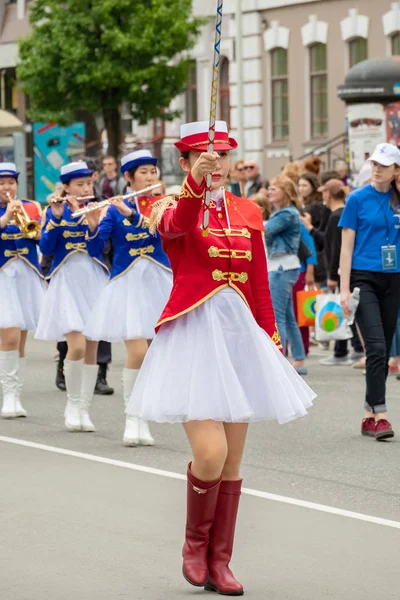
pixel 330 323
pixel 306 306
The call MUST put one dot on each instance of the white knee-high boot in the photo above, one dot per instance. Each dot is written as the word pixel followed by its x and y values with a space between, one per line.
pixel 19 409
pixel 89 378
pixel 73 381
pixel 131 433
pixel 145 437
pixel 9 367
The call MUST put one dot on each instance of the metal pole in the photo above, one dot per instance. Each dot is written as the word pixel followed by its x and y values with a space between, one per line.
pixel 213 110
pixel 239 70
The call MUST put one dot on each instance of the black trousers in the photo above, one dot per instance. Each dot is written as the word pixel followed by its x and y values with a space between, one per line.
pixel 103 352
pixel 377 317
pixel 342 347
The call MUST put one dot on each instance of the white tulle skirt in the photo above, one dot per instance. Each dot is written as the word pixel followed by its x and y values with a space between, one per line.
pixel 70 297
pixel 216 363
pixel 130 306
pixel 21 296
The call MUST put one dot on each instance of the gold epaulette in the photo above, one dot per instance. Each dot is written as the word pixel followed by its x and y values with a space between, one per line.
pixel 159 209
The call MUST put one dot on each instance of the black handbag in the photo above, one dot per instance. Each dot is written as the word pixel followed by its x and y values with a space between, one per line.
pixel 304 251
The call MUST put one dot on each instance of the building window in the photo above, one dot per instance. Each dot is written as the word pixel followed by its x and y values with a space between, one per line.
pixel 191 94
pixel 318 90
pixel 224 92
pixel 395 43
pixel 279 94
pixel 358 50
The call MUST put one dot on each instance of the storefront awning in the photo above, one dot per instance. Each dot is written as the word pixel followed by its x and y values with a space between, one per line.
pixel 9 123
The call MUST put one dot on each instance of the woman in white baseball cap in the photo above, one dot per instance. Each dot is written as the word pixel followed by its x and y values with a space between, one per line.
pixel 370 260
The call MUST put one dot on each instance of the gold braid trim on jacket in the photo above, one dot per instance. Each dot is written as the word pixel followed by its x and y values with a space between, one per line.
pixel 159 209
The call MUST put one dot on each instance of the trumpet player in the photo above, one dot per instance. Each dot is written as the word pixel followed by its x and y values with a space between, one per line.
pixel 141 280
pixel 21 284
pixel 75 281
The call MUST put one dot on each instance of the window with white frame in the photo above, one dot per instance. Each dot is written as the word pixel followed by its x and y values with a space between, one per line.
pixel 358 50
pixel 391 28
pixel 318 90
pixel 279 94
pixel 395 44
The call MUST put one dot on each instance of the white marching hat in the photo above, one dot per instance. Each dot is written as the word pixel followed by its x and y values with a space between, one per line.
pixel 8 169
pixel 136 159
pixel 386 155
pixel 194 137
pixel 75 170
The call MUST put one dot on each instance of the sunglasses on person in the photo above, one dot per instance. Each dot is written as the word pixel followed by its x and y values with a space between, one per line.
pixel 249 167
pixel 240 169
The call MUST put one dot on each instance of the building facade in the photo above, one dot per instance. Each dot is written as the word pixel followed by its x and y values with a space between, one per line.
pixel 280 100
pixel 294 55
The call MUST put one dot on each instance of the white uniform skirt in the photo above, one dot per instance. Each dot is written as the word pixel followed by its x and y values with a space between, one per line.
pixel 216 363
pixel 130 306
pixel 21 296
pixel 70 297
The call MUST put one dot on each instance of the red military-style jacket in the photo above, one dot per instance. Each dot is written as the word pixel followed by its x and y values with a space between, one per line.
pixel 228 256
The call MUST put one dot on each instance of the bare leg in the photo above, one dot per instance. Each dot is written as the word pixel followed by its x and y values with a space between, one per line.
pixel 136 351
pixel 209 447
pixel 236 438
pixel 22 343
pixel 76 346
pixel 10 339
pixel 91 353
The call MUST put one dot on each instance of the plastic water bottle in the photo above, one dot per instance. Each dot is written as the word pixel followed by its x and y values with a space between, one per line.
pixel 353 303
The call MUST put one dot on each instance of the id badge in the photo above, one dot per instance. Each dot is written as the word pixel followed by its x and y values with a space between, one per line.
pixel 389 258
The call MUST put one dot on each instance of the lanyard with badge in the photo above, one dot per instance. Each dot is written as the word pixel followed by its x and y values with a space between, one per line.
pixel 389 252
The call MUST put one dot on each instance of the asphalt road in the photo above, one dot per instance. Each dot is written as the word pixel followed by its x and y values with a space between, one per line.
pixel 74 528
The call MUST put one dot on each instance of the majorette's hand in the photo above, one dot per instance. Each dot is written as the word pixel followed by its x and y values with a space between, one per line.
pixel 13 207
pixel 57 209
pixel 120 205
pixel 205 165
pixel 72 203
pixel 93 217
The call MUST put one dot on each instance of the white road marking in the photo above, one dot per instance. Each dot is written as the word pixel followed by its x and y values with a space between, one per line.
pixel 171 475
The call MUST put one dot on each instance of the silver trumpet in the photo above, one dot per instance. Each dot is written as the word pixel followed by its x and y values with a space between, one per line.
pixel 103 203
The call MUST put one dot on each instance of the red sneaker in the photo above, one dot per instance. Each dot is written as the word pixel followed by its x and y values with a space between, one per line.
pixel 368 426
pixel 383 430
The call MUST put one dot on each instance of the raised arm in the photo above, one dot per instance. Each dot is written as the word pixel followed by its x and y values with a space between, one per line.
pixel 99 233
pixel 184 217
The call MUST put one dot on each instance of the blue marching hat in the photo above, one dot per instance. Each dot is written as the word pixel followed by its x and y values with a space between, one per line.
pixel 75 170
pixel 8 169
pixel 136 159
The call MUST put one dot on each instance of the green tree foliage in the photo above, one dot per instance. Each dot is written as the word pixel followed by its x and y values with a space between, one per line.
pixel 96 54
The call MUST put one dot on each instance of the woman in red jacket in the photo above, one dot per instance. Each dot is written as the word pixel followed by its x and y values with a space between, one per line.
pixel 215 364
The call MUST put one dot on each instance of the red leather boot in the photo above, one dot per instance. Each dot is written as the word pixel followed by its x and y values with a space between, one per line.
pixel 202 499
pixel 220 577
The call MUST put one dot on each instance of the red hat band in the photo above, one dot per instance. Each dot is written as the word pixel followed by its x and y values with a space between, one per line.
pixel 199 142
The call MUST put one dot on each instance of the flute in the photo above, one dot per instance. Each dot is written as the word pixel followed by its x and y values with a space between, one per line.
pixel 104 203
pixel 60 200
